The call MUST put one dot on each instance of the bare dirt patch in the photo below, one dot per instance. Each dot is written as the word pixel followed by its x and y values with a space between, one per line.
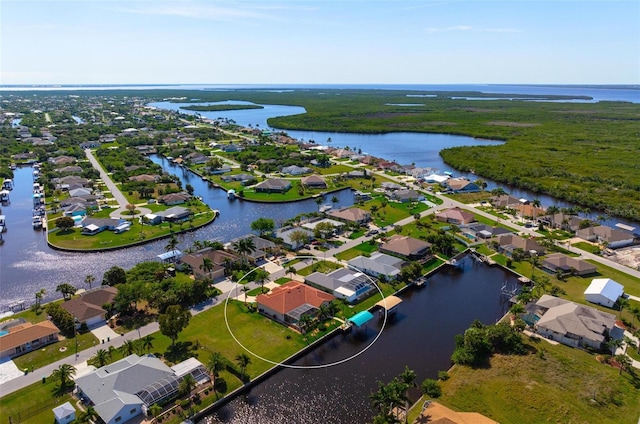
pixel 512 124
pixel 628 256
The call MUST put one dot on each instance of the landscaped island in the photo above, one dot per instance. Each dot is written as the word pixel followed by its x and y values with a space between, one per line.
pixel 213 108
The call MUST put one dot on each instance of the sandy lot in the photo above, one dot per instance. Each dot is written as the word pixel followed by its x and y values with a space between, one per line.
pixel 628 256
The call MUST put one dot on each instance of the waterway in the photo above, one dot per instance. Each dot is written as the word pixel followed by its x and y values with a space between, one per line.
pixel 420 337
pixel 419 149
pixel 28 264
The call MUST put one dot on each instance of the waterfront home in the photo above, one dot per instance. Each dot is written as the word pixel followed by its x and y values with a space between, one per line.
pixel 509 242
pixel 378 265
pixel 88 308
pixel 19 337
pixel 175 214
pixel 314 181
pixel 93 226
pixel 528 211
pixel 127 388
pixel 572 324
pixel 220 261
pixel 90 144
pixel 286 233
pixel 390 186
pixel 70 169
pixel 65 182
pixel 436 178
pixel 351 215
pixel 613 237
pixel 81 191
pixel 289 302
pixel 174 198
pixel 604 291
pixel 217 171
pixel 461 185
pixel 273 185
pixel 455 216
pixel 355 174
pixel 567 265
pixel 242 177
pixel 406 247
pixel 262 247
pixel 196 158
pixel 152 219
pixel 343 283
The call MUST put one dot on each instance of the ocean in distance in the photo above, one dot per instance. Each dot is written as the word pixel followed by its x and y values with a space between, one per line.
pixel 622 93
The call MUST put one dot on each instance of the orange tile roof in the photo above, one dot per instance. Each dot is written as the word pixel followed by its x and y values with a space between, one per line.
pixel 289 296
pixel 27 332
pixel 440 414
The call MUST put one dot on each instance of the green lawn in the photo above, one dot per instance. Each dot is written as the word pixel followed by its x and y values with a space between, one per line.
pixel 559 387
pixel 32 404
pixel 320 266
pixel 630 283
pixel 364 248
pixel 587 247
pixel 51 353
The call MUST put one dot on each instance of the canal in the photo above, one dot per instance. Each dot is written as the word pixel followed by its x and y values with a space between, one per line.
pixel 421 337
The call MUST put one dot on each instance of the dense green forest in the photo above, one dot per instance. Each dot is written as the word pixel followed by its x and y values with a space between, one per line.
pixel 582 152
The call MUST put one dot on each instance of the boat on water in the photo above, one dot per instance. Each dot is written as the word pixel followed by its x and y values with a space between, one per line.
pixel 231 194
pixel 7 184
pixel 13 166
pixel 37 222
pixel 3 223
pixel 4 196
pixel 325 208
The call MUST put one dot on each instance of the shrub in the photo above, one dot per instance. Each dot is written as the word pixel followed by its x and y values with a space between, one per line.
pixel 443 375
pixel 431 388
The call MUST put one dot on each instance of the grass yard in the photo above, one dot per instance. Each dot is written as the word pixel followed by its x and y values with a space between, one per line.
pixel 587 247
pixel 33 404
pixel 630 283
pixel 561 385
pixel 320 266
pixel 364 248
pixel 51 353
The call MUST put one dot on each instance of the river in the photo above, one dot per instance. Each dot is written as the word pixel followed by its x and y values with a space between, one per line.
pixel 420 337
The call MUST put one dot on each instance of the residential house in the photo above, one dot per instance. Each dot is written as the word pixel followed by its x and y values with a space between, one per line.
pixel 93 226
pixel 604 291
pixel 562 221
pixel 90 144
pixel 572 324
pixel 504 201
pixel 338 226
pixel 343 283
pixel 174 198
pixel 243 178
pixel 285 234
pixel 559 262
pixel 390 186
pixel 145 178
pixel 19 337
pixel 478 231
pixel 455 216
pixel 273 185
pixel 262 247
pixel 70 169
pixel 220 259
pixel 231 147
pixel 435 178
pixel 196 158
pixel 126 388
pixel 314 181
pixel 355 174
pixel 528 211
pixel 290 301
pixel 406 247
pixel 461 185
pixel 81 191
pixel 613 237
pixel 407 195
pixel 175 214
pixel 295 170
pixel 378 264
pixel 88 308
pixel 62 160
pixel 351 215
pixel 507 243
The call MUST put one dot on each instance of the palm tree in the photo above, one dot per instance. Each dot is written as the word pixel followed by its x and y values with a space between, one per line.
pixel 147 342
pixel 408 379
pixel 100 359
pixel 624 362
pixel 187 384
pixel 628 341
pixel 623 303
pixel 207 266
pixel 244 247
pixel 39 295
pixel 552 211
pixel 291 270
pixel 304 322
pixel 111 351
pixel 215 364
pixel 535 260
pixel 335 200
pixel 155 410
pixel 260 276
pixel 243 362
pixel 244 290
pixel 536 203
pixel 171 245
pixel 89 279
pixel 64 373
pixel 128 348
pixel 614 344
pixel 67 290
pixel 88 416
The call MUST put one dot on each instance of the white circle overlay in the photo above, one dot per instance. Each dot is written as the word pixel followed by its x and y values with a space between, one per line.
pixel 282 364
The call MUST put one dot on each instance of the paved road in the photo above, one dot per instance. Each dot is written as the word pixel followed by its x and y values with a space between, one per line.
pixel 115 191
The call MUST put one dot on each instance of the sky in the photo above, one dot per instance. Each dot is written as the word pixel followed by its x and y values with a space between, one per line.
pixel 319 42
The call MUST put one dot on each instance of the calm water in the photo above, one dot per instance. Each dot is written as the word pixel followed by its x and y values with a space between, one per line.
pixel 421 337
pixel 28 264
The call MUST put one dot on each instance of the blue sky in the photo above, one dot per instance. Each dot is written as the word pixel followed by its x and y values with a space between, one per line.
pixel 319 42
